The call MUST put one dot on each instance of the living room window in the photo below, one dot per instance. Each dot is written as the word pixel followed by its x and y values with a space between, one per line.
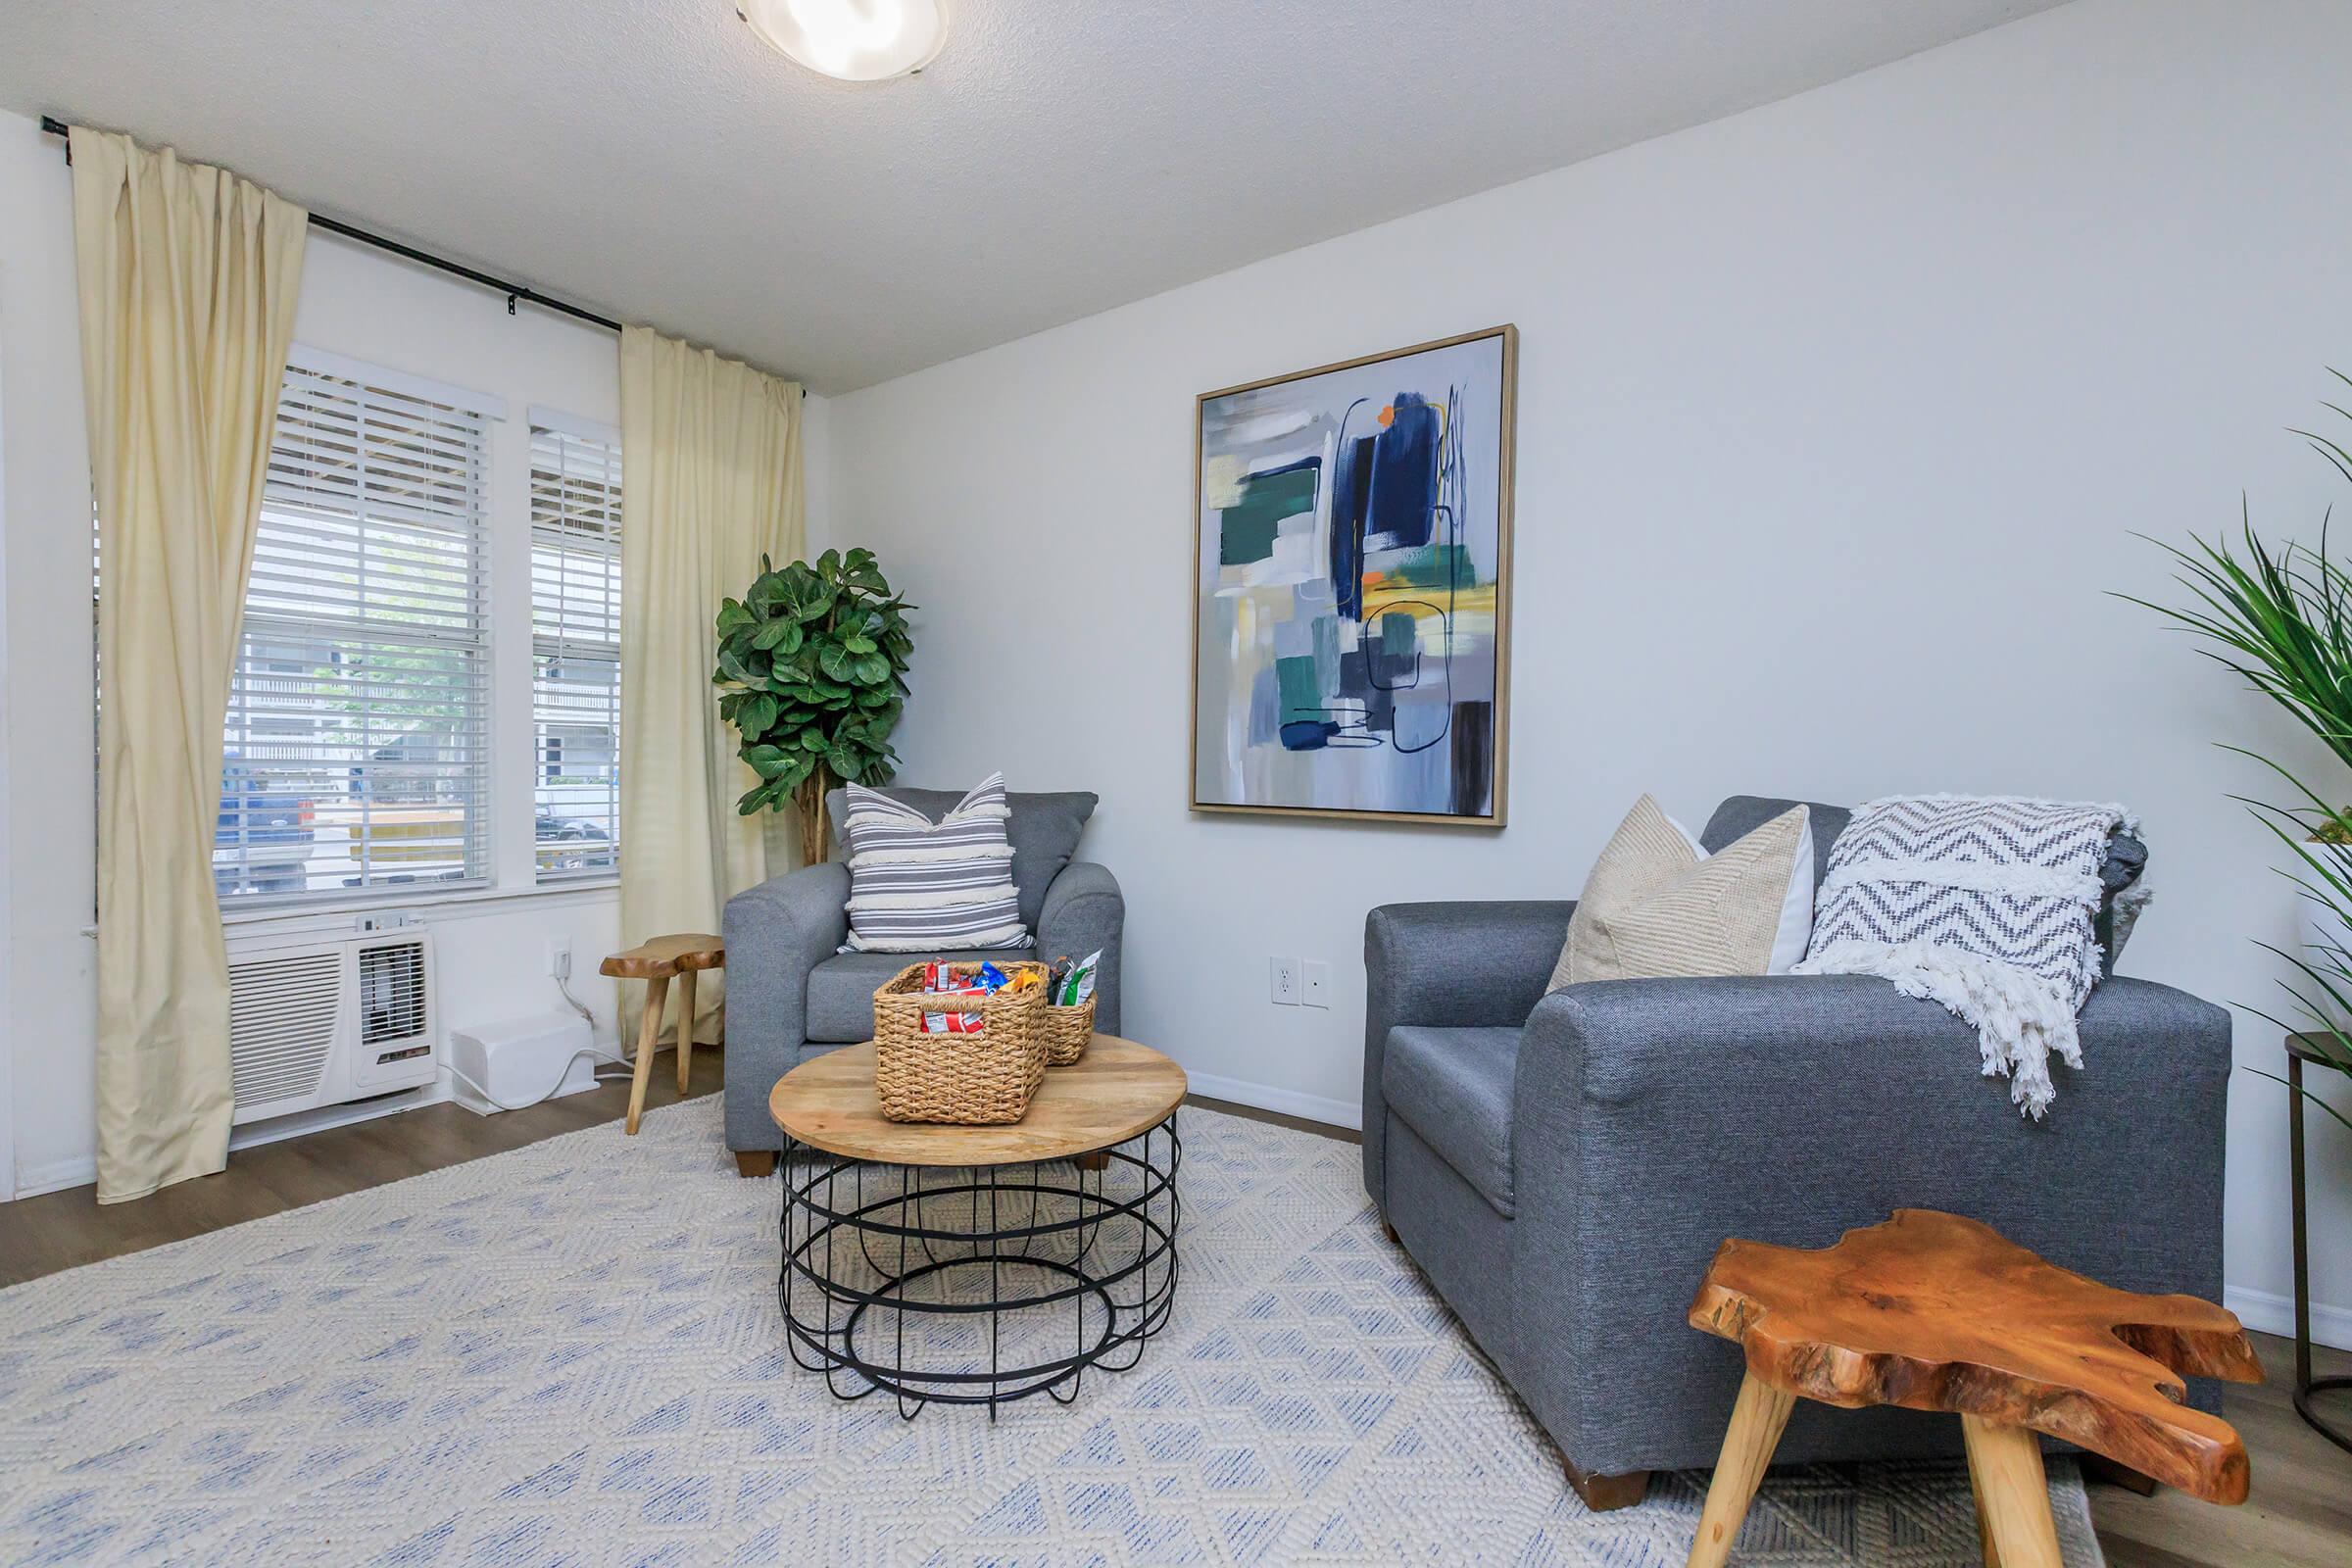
pixel 576 646
pixel 356 755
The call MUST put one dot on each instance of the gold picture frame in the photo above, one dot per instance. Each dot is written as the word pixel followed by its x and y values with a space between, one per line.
pixel 1203 582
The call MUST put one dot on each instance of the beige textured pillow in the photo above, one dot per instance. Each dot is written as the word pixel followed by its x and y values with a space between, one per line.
pixel 1656 909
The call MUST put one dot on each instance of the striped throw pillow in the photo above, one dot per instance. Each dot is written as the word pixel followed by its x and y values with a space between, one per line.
pixel 920 886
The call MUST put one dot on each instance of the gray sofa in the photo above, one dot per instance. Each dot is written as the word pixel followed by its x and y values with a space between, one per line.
pixel 1561 1167
pixel 791 994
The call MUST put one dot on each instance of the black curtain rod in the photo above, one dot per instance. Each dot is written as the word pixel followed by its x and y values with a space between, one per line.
pixel 512 291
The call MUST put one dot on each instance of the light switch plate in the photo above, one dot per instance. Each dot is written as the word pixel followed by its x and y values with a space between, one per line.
pixel 1314 983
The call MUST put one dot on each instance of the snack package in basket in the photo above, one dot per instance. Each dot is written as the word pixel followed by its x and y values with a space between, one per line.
pixel 1075 984
pixel 940 979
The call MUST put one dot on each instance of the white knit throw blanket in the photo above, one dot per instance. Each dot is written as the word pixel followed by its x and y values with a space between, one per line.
pixel 1985 904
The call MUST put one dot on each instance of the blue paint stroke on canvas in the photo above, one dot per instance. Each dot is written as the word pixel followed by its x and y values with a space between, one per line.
pixel 1351 550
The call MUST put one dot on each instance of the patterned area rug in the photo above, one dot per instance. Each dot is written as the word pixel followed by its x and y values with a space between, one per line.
pixel 570 1353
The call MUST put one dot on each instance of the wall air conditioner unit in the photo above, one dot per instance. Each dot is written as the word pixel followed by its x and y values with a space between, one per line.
pixel 314 1022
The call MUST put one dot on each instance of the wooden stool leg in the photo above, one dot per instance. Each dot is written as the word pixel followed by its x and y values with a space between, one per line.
pixel 649 1041
pixel 685 1027
pixel 1757 1418
pixel 2013 1495
pixel 1986 1547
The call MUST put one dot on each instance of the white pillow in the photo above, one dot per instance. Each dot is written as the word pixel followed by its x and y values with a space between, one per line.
pixel 920 886
pixel 1795 933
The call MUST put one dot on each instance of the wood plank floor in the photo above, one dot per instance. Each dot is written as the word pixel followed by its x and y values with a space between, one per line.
pixel 63 1230
pixel 2299 1516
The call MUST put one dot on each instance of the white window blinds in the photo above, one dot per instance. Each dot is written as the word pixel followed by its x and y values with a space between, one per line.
pixel 358 752
pixel 575 647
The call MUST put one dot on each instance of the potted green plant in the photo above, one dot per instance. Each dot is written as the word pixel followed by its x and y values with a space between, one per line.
pixel 812 674
pixel 2280 616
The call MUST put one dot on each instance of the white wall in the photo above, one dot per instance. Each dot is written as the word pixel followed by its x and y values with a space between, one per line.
pixel 490 950
pixel 8 1122
pixel 1834 421
pixel 51 888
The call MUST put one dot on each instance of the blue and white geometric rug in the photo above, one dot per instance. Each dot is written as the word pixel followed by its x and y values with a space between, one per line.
pixel 572 1353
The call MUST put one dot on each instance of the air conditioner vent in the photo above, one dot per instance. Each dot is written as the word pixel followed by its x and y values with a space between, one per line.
pixel 281 1024
pixel 314 1022
pixel 392 993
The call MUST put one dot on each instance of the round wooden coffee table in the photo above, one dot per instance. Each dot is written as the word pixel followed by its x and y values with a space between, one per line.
pixel 978 1265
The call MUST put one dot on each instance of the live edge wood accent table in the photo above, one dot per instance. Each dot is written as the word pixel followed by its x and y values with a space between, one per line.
pixel 657 963
pixel 1932 1311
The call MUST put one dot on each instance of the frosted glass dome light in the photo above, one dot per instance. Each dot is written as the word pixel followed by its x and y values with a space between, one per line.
pixel 856 40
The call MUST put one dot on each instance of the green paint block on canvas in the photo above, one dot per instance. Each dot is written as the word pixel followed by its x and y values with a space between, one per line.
pixel 1435 567
pixel 1301 695
pixel 1246 530
pixel 1400 632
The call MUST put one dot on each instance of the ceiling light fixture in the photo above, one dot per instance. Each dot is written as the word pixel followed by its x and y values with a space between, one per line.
pixel 856 40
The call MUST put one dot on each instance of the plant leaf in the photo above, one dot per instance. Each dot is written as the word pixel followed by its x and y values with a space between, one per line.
pixel 815 652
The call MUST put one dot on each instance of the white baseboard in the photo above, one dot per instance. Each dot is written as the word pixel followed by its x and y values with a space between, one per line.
pixel 2276 1314
pixel 56 1176
pixel 82 1171
pixel 1290 1101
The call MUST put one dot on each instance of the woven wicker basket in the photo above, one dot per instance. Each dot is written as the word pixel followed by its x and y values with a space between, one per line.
pixel 973 1080
pixel 1068 1031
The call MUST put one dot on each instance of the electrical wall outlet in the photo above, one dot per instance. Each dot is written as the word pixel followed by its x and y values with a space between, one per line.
pixel 1314 983
pixel 558 958
pixel 1284 976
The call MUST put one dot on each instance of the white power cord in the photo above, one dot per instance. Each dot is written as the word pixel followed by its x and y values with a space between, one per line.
pixel 564 984
pixel 562 975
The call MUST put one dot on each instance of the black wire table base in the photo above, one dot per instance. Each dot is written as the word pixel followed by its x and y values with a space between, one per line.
pixel 2297 1053
pixel 981 1284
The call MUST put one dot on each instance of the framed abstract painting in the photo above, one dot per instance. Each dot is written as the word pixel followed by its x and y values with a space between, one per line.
pixel 1351 562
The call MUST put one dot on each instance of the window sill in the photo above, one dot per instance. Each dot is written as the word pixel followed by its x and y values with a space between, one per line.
pixel 457 900
pixel 456 904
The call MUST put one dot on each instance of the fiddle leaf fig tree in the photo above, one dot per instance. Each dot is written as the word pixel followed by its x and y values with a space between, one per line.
pixel 812 674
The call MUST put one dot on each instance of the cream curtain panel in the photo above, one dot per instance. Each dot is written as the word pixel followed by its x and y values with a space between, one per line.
pixel 714 455
pixel 187 280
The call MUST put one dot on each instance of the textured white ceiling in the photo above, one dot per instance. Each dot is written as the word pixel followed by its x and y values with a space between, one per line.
pixel 651 158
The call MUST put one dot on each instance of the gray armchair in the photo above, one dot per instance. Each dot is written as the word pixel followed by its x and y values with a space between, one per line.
pixel 1561 1167
pixel 791 994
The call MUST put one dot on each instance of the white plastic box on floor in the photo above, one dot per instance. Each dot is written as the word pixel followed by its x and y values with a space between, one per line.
pixel 521 1061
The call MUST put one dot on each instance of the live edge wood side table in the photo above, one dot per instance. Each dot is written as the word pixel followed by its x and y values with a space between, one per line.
pixel 656 964
pixel 1935 1312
